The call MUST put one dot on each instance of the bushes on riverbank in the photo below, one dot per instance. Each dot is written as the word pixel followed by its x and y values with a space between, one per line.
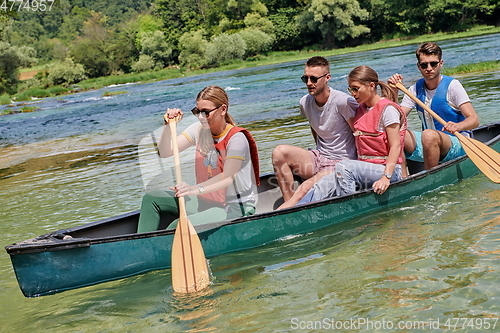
pixel 271 58
pixel 5 99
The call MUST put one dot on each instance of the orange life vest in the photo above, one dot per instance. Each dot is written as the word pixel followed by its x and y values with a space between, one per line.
pixel 372 145
pixel 205 170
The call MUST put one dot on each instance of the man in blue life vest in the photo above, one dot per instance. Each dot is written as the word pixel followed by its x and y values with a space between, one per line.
pixel 445 96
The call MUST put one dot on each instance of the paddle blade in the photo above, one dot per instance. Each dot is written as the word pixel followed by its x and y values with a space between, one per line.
pixel 189 266
pixel 485 158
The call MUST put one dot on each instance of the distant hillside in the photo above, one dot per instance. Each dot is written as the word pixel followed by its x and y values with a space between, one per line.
pixel 77 39
pixel 65 20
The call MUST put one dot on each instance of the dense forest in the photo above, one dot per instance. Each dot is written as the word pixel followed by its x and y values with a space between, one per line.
pixel 79 39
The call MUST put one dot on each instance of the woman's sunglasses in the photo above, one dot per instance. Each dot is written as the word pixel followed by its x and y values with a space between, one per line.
pixel 197 111
pixel 424 65
pixel 353 90
pixel 313 79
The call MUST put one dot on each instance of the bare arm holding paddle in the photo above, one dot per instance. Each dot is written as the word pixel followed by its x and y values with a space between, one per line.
pixel 165 142
pixel 485 158
pixel 221 148
pixel 436 143
pixel 222 180
pixel 471 120
pixel 225 165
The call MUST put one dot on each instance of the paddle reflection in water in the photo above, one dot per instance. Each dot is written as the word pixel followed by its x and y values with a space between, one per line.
pixel 194 311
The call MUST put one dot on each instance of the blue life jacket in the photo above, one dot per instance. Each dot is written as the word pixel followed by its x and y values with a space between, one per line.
pixel 439 105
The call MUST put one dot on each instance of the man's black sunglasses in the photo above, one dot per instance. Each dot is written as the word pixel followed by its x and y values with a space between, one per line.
pixel 424 65
pixel 196 111
pixel 313 79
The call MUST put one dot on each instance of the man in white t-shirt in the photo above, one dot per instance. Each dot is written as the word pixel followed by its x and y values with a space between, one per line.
pixel 445 96
pixel 329 112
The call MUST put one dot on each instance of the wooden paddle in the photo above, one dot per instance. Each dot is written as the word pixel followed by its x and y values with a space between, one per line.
pixel 189 266
pixel 485 158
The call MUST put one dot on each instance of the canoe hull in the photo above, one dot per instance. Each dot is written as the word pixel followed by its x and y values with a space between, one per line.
pixel 50 264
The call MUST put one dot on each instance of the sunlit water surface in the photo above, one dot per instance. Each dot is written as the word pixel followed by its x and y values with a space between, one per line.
pixel 76 160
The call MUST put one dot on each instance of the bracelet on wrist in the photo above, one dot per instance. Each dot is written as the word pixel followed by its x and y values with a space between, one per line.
pixel 201 189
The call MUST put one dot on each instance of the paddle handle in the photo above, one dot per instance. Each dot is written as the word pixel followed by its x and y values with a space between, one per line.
pixel 189 266
pixel 400 86
pixel 177 161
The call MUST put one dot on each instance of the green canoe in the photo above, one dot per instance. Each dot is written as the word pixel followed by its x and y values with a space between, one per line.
pixel 111 249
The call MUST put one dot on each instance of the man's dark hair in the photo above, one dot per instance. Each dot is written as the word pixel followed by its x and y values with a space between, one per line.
pixel 317 61
pixel 429 48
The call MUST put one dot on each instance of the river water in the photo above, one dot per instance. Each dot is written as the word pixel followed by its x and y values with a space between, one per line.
pixel 78 159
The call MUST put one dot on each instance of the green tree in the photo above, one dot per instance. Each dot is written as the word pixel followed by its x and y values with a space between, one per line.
pixel 145 23
pixel 36 28
pixel 288 35
pixel 491 17
pixel 395 18
pixel 65 73
pixel 124 47
pixel 225 48
pixel 148 22
pixel 256 41
pixel 193 46
pixel 128 29
pixel 116 11
pixel 11 59
pixel 93 49
pixel 453 15
pixel 59 51
pixel 52 20
pixel 9 68
pixel 255 20
pixel 276 6
pixel 72 25
pixel 179 17
pixel 154 44
pixel 238 9
pixel 5 16
pixel 145 63
pixel 335 19
pixel 33 34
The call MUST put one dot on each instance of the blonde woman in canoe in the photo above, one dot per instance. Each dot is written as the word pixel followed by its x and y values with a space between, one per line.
pixel 226 167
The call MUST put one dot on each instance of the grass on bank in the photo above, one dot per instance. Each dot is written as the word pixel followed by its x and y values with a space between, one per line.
pixel 24 109
pixel 113 93
pixel 39 92
pixel 473 68
pixel 270 59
